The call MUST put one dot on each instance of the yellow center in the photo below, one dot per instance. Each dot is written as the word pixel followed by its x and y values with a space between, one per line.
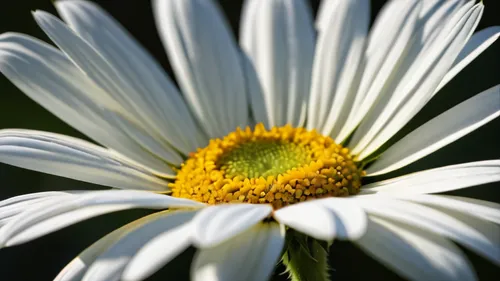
pixel 281 166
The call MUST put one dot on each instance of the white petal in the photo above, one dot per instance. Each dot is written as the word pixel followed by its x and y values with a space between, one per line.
pixel 73 158
pixel 31 197
pixel 350 219
pixel 216 224
pixel 256 96
pixel 415 254
pixel 250 256
pixel 339 50
pixel 46 219
pixel 278 36
pixel 487 229
pixel 310 218
pixel 157 252
pixel 103 74
pixel 324 11
pixel 150 144
pixel 150 91
pixel 111 263
pixel 479 42
pixel 206 61
pixel 432 220
pixel 390 36
pixel 484 210
pixel 488 204
pixel 434 15
pixel 440 131
pixel 75 270
pixel 47 76
pixel 416 88
pixel 325 219
pixel 402 31
pixel 14 206
pixel 440 179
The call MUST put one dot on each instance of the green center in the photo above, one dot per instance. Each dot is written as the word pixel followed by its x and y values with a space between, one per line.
pixel 262 159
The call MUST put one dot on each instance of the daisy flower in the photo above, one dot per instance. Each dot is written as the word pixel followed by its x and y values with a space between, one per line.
pixel 266 152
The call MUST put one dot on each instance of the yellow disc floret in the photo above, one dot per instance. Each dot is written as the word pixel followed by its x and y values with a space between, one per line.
pixel 280 166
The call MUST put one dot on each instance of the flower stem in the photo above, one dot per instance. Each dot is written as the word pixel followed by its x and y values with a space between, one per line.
pixel 305 258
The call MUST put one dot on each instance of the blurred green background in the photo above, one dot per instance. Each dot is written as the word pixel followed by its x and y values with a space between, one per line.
pixel 42 259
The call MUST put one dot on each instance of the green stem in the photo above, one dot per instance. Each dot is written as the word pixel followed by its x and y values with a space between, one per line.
pixel 305 258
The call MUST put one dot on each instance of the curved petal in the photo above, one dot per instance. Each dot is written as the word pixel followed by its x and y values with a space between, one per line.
pixel 350 219
pixel 47 76
pixel 339 50
pixel 216 224
pixel 206 61
pixel 389 37
pixel 440 131
pixel 325 9
pixel 30 198
pixel 489 230
pixel 278 37
pixel 250 256
pixel 484 210
pixel 415 254
pixel 434 15
pixel 325 219
pixel 150 91
pixel 150 144
pixel 40 221
pixel 157 252
pixel 479 42
pixel 442 179
pixel 73 158
pixel 435 221
pixel 14 206
pixel 75 270
pixel 309 218
pixel 415 89
pixel 487 204
pixel 402 30
pixel 111 263
pixel 256 96
pixel 101 72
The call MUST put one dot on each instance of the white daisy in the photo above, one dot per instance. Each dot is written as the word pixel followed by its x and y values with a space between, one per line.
pixel 182 156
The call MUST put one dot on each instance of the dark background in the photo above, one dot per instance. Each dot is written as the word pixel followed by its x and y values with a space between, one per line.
pixel 44 258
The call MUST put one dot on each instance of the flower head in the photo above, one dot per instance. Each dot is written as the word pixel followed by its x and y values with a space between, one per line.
pixel 281 166
pixel 267 152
